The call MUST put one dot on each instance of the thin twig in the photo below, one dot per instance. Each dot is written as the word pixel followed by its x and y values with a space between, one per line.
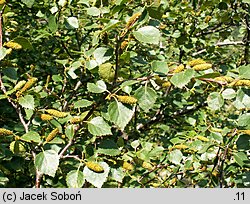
pixel 117 56
pixel 65 148
pixel 226 43
pixel 71 156
pixel 246 53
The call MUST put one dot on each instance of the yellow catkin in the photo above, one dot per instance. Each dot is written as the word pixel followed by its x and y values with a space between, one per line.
pixel 166 84
pixel 196 62
pixel 242 82
pixel 27 86
pixel 224 79
pixel 204 139
pixel 56 113
pixel 180 147
pixel 214 129
pixel 244 131
pixel 75 120
pixel 208 18
pixel 46 117
pixel 201 67
pixel 19 85
pixel 52 135
pixel 179 68
pixel 127 166
pixel 9 51
pixel 13 45
pixel 17 147
pixel 215 173
pixel 158 80
pixel 147 165
pixel 124 44
pixel 132 20
pixel 2 2
pixel 5 132
pixel 94 167
pixel 127 99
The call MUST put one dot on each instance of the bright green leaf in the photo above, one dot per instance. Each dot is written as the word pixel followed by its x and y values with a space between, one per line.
pixel 241 159
pixel 102 54
pixel 148 34
pixel 3 52
pixel 146 97
pixel 27 101
pixel 73 22
pixel 75 179
pixel 99 87
pixel 52 23
pixel 97 179
pixel 244 71
pixel 70 132
pixel 119 114
pixel 82 103
pixel 160 66
pixel 244 119
pixel 117 174
pixel 93 11
pixel 97 126
pixel 175 156
pixel 183 78
pixel 228 93
pixel 31 136
pixel 29 3
pixel 47 162
pixel 215 101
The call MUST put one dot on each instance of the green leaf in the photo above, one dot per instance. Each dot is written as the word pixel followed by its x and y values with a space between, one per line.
pixel 183 78
pixel 160 67
pixel 146 97
pixel 244 71
pixel 73 22
pixel 108 147
pixel 62 3
pixel 99 87
pixel 117 174
pixel 52 23
pixel 148 34
pixel 29 3
pixel 241 159
pixel 10 72
pixel 102 54
pixel 244 119
pixel 75 179
pixel 175 156
pixel 3 52
pixel 98 127
pixel 82 103
pixel 209 75
pixel 243 142
pixel 27 101
pixel 47 162
pixel 3 96
pixel 24 42
pixel 97 179
pixel 93 11
pixel 246 1
pixel 228 93
pixel 119 114
pixel 69 132
pixel 31 136
pixel 215 101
